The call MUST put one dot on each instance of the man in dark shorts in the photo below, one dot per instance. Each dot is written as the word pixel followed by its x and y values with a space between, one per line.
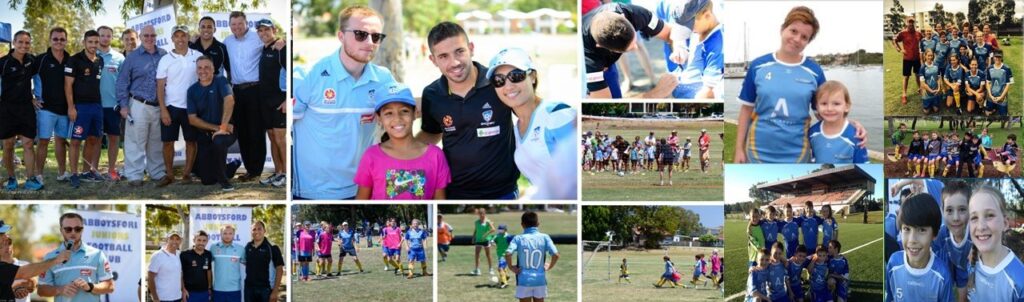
pixel 462 110
pixel 907 42
pixel 82 90
pixel 272 109
pixel 17 115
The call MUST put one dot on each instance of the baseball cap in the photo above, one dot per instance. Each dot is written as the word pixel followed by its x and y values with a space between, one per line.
pixel 264 22
pixel 686 14
pixel 4 227
pixel 396 92
pixel 502 227
pixel 517 57
pixel 703 130
pixel 181 28
pixel 172 234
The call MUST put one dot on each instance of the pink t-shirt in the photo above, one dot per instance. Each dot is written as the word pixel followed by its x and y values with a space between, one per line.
pixel 324 242
pixel 716 264
pixel 392 237
pixel 306 242
pixel 392 178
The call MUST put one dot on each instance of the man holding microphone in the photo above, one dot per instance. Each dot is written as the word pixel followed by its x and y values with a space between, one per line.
pixel 84 276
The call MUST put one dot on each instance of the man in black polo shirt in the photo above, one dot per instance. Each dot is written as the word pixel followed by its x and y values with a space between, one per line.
pixel 82 90
pixel 10 272
pixel 17 115
pixel 210 47
pixel 272 111
pixel 462 110
pixel 210 105
pixel 259 255
pixel 196 270
pixel 52 116
pixel 608 32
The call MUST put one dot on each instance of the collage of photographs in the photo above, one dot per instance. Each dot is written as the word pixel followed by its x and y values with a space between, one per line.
pixel 511 150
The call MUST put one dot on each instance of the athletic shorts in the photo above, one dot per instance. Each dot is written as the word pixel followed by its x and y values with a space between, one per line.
pixel 418 255
pixel 305 258
pixel 929 102
pixel 442 247
pixel 998 108
pixel 50 124
pixel 347 252
pixel 89 121
pixel 483 244
pixel 523 292
pixel 952 160
pixel 933 157
pixel 911 65
pixel 112 122
pixel 272 117
pixel 17 120
pixel 502 264
pixel 324 256
pixel 179 120
pixel 393 252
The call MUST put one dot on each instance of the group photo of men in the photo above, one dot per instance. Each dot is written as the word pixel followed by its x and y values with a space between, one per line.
pixel 196 101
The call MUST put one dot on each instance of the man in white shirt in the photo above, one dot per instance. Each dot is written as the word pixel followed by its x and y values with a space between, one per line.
pixel 165 272
pixel 175 73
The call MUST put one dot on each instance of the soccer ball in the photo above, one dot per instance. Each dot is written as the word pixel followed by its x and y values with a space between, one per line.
pixel 621 174
pixel 494 279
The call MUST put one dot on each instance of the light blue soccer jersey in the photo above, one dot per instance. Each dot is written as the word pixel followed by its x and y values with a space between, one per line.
pixel 782 95
pixel 999 76
pixel 942 54
pixel 954 44
pixel 819 279
pixel 87 262
pixel 981 54
pixel 704 66
pixel 757 281
pixel 415 238
pixel 835 149
pixel 777 281
pixel 791 235
pixel 927 44
pixel 334 124
pixel 809 228
pixel 999 283
pixel 532 248
pixel 551 124
pixel 770 229
pixel 108 76
pixel 348 239
pixel 930 75
pixel 931 283
pixel 955 75
pixel 954 252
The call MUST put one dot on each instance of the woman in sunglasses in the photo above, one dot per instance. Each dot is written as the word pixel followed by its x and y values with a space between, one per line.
pixel 546 129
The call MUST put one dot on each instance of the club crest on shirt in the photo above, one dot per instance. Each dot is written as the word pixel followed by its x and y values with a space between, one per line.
pixel 87 72
pixel 330 97
pixel 448 123
pixel 369 94
pixel 487 115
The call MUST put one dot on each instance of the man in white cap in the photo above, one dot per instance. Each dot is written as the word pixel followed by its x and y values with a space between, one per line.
pixel 165 271
pixel 175 73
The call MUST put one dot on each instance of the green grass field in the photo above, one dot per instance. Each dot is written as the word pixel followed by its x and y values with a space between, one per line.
pixel 374 284
pixel 456 284
pixel 54 190
pixel 645 268
pixel 895 169
pixel 687 186
pixel 893 65
pixel 862 246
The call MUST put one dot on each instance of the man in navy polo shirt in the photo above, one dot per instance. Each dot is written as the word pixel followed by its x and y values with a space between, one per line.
pixel 17 115
pixel 463 111
pixel 82 90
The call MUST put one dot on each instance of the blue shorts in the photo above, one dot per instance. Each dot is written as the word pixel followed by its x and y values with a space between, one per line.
pixel 50 124
pixel 933 157
pixel 952 160
pixel 784 298
pixel 822 296
pixel 929 102
pixel 842 290
pixel 502 264
pixel 347 252
pixel 798 289
pixel 417 254
pixel 112 122
pixel 235 296
pixel 697 274
pixel 393 252
pixel 89 121
pixel 198 296
pixel 1001 109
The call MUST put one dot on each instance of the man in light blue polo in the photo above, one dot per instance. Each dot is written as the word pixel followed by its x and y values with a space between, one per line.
pixel 227 267
pixel 333 110
pixel 85 276
pixel 112 60
pixel 136 96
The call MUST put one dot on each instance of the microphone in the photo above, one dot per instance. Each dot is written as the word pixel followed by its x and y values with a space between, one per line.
pixel 67 246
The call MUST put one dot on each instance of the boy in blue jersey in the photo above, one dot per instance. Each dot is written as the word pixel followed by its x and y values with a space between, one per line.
pixel 810 224
pixel 699 267
pixel 347 247
pixel 531 248
pixel 770 227
pixel 1009 153
pixel 916 273
pixel 778 277
pixel 414 239
pixel 757 281
pixel 1000 79
pixel 790 229
pixel 701 74
pixel 838 272
pixel 934 153
pixel 818 269
pixel 797 264
pixel 952 154
pixel 931 72
pixel 832 139
pixel 952 242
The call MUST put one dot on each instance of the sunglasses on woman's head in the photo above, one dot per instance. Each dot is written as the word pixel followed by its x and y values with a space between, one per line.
pixel 514 76
pixel 361 36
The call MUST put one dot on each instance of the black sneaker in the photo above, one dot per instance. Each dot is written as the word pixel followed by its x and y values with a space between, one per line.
pixel 227 187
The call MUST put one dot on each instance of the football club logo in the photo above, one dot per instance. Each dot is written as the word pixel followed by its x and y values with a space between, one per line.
pixel 370 94
pixel 87 71
pixel 447 120
pixel 329 96
pixel 79 130
pixel 487 115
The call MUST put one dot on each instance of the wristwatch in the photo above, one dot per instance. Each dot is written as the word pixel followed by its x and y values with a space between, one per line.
pixel 91 286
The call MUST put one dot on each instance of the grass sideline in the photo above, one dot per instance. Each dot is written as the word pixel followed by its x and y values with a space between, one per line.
pixel 645 267
pixel 866 264
pixel 374 284
pixel 54 190
pixel 456 284
pixel 893 77
pixel 687 186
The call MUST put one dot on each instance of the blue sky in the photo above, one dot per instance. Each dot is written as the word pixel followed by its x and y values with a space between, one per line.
pixel 739 178
pixel 710 216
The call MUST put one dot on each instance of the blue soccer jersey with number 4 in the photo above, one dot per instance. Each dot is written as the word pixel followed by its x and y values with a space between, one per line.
pixel 532 248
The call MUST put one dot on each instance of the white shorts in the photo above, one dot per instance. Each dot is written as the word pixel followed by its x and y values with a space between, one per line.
pixel 523 292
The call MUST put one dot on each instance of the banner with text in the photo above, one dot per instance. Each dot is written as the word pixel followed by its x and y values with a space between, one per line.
pixel 162 20
pixel 119 236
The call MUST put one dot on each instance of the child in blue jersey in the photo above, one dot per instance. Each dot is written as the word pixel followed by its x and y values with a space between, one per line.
pixel 1009 153
pixel 599 155
pixel 975 83
pixel 797 264
pixel 700 75
pixel 810 225
pixel 982 51
pixel 952 154
pixel 414 238
pixel 687 146
pixel 634 158
pixel 818 269
pixel 914 154
pixel 954 79
pixel 700 266
pixel 670 275
pixel 347 246
pixel 832 139
pixel 790 229
pixel 757 278
pixel 934 152
pixel 778 277
pixel 531 248
pixel 917 273
pixel 930 73
pixel 829 226
pixel 997 270
pixel 838 272
pixel 952 242
pixel 770 227
pixel 1000 79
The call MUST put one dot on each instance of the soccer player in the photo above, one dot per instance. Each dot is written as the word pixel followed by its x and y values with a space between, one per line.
pixel 997 270
pixel 392 240
pixel 197 273
pixel 444 237
pixel 897 140
pixel 686 155
pixel 624 272
pixel 757 278
pixel 952 241
pixel 755 236
pixel 305 246
pixel 829 226
pixel 797 263
pixel 832 139
pixel 532 249
pixel 347 246
pixel 414 237
pixel 790 229
pixel 227 266
pixel 778 279
pixel 612 30
pixel 770 227
pixel 999 80
pixel 914 154
pixel 82 91
pixel 818 269
pixel 934 154
pixel 482 230
pixel 699 267
pixel 501 241
pixel 52 115
pixel 838 271
pixel 952 147
pixel 809 226
pixel 916 273
pixel 930 75
pixel 324 242
pixel 982 52
pixel 175 74
pixel 954 79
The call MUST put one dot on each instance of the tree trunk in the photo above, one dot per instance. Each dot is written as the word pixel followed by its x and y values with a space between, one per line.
pixel 390 53
pixel 186 243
